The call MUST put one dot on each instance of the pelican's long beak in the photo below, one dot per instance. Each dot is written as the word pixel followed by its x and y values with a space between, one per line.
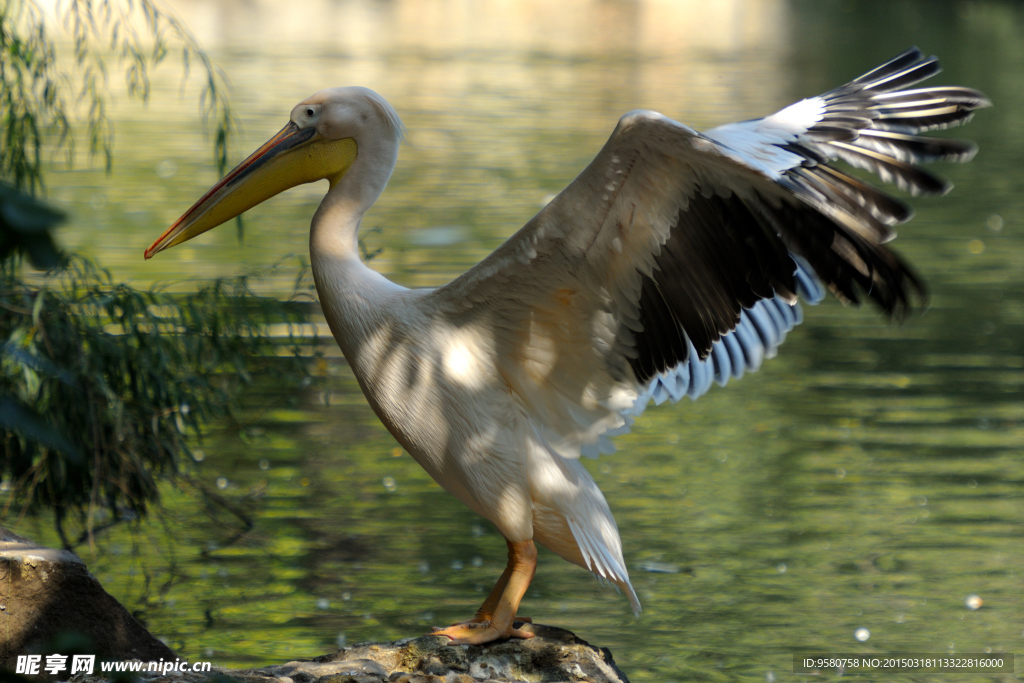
pixel 292 157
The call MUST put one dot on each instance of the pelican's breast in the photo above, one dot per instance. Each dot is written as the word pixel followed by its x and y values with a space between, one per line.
pixel 435 386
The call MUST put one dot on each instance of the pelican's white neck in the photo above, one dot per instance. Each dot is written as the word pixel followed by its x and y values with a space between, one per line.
pixel 334 229
pixel 353 296
pixel 335 226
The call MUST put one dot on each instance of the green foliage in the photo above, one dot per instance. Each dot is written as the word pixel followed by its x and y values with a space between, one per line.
pixel 103 387
pixel 44 93
pixel 25 225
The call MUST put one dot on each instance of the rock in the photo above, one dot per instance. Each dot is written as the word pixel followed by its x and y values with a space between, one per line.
pixel 48 594
pixel 552 655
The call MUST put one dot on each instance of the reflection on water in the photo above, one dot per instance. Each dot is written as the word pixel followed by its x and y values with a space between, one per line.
pixel 868 478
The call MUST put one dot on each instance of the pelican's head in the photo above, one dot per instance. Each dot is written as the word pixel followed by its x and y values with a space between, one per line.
pixel 322 139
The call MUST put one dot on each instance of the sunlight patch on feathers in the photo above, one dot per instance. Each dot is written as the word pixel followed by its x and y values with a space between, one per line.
pixel 462 360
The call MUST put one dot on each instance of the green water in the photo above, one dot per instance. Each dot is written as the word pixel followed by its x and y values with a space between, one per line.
pixel 871 476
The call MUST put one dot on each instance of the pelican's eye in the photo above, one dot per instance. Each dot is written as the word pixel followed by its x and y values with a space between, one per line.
pixel 306 115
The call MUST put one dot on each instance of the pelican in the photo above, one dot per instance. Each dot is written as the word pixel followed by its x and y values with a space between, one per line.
pixel 673 261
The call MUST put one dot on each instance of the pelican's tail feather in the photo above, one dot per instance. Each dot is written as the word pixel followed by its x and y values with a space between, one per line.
pixel 603 560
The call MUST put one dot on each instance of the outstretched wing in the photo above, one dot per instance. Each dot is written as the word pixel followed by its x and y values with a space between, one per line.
pixel 676 257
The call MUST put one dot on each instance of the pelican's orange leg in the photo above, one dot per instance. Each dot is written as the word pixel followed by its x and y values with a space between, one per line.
pixel 495 620
pixel 486 610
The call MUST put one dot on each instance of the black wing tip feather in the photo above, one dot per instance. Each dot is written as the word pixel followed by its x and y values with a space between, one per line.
pixel 910 297
pixel 889 87
pixel 874 123
pixel 908 57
